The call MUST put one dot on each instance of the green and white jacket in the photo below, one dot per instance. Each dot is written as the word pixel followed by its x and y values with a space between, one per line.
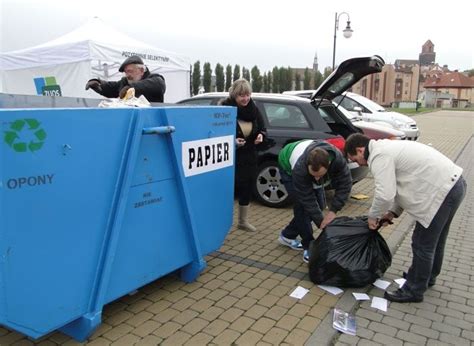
pixel 293 159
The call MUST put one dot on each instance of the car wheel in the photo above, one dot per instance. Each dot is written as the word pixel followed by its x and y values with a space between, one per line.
pixel 269 190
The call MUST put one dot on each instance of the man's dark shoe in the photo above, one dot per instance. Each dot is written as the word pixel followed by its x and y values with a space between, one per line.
pixel 431 283
pixel 402 296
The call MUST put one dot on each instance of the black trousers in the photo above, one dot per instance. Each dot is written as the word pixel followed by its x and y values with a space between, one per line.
pixel 245 172
pixel 428 243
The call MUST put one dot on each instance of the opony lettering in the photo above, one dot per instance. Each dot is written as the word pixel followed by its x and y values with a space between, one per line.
pixel 34 180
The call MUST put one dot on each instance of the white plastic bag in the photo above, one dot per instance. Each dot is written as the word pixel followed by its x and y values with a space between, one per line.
pixel 128 101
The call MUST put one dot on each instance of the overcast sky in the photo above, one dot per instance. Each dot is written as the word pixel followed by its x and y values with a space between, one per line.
pixel 262 33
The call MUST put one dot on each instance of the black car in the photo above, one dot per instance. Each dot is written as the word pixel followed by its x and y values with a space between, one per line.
pixel 291 118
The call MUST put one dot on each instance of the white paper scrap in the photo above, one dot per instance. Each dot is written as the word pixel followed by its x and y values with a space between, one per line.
pixel 299 292
pixel 360 296
pixel 382 284
pixel 400 282
pixel 331 289
pixel 379 303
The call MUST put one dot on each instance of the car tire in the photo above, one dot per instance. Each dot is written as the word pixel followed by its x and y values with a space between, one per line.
pixel 268 188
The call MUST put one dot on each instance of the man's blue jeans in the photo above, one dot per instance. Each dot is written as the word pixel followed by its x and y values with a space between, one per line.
pixel 428 243
pixel 300 225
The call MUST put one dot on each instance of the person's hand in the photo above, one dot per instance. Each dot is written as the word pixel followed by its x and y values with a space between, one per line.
pixel 93 84
pixel 259 139
pixel 123 91
pixel 239 142
pixel 387 218
pixel 327 219
pixel 373 223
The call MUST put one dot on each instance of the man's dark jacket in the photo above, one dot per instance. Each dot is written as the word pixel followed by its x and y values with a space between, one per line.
pixel 338 173
pixel 152 86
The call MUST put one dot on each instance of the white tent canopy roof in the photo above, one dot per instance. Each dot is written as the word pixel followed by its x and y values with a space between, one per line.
pixel 92 41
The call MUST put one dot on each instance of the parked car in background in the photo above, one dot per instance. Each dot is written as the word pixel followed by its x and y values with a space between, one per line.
pixel 373 112
pixel 369 111
pixel 373 130
pixel 290 118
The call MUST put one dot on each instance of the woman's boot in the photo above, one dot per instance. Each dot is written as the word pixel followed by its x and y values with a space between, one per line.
pixel 243 223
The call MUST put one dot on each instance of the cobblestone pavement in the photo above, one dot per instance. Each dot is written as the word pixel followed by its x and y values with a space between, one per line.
pixel 243 295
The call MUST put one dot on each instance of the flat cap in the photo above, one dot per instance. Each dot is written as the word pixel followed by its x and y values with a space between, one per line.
pixel 134 59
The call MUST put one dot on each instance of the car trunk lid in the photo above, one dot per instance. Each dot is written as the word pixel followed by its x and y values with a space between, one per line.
pixel 346 75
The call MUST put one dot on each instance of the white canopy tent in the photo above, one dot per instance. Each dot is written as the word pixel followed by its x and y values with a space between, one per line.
pixel 94 50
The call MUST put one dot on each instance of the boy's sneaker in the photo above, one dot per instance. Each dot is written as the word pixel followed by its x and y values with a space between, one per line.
pixel 295 244
pixel 305 256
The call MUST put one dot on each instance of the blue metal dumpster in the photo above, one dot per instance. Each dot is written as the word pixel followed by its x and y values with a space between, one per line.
pixel 95 203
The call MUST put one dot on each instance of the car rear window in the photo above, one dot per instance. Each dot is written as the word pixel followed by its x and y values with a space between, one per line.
pixel 342 83
pixel 280 115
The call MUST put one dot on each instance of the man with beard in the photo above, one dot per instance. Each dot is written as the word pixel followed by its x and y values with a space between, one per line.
pixel 151 85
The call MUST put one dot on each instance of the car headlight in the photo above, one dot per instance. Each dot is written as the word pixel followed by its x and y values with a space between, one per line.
pixel 401 125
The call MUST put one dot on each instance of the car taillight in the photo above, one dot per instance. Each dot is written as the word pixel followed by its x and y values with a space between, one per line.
pixel 338 142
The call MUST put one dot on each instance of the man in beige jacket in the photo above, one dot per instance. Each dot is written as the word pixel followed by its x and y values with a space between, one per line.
pixel 426 184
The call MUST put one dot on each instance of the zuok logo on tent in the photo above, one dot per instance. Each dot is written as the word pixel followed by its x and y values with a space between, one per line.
pixel 47 86
pixel 206 155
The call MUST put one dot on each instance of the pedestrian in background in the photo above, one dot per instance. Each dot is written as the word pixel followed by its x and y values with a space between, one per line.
pixel 250 132
pixel 417 178
pixel 306 167
pixel 151 85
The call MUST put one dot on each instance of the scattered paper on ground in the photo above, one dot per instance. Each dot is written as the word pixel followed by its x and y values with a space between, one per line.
pixel 344 322
pixel 360 296
pixel 400 282
pixel 331 289
pixel 379 303
pixel 359 196
pixel 299 292
pixel 382 284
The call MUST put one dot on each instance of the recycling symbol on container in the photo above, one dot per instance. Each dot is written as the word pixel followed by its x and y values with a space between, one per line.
pixel 25 135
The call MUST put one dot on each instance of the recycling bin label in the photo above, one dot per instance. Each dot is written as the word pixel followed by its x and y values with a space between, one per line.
pixel 206 155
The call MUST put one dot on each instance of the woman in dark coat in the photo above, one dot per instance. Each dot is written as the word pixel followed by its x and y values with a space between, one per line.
pixel 250 133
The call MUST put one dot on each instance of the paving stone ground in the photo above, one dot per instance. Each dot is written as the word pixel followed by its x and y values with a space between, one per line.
pixel 242 297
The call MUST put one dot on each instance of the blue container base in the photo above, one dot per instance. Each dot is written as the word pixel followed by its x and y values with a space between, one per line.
pixel 190 272
pixel 83 327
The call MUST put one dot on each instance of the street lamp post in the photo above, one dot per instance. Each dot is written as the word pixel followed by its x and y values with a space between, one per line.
pixel 347 32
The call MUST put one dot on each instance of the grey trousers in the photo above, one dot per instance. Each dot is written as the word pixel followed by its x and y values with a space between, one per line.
pixel 428 243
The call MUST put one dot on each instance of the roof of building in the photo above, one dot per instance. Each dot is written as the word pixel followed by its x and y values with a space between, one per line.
pixel 403 69
pixel 450 80
pixel 428 43
pixel 405 62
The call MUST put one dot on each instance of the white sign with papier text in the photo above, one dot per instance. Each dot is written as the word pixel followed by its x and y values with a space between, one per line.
pixel 206 155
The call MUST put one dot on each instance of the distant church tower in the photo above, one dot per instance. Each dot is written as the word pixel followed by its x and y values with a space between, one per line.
pixel 427 55
pixel 315 62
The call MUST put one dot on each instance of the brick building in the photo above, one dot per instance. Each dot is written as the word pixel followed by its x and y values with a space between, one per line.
pixel 405 80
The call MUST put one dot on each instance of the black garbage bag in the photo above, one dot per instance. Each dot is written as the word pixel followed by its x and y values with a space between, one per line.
pixel 348 254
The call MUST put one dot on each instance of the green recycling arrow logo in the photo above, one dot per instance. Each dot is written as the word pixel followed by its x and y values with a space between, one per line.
pixel 25 135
